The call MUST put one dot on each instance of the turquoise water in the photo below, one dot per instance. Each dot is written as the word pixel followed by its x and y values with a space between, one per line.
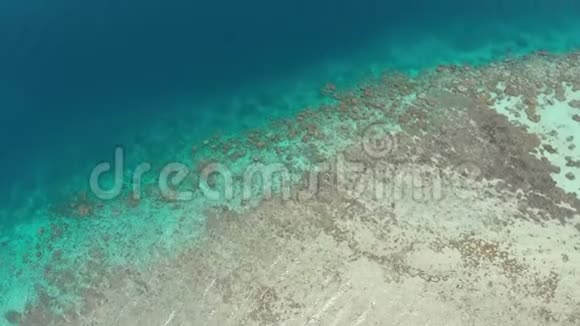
pixel 68 106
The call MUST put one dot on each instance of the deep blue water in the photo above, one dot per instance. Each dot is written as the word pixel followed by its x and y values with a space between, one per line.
pixel 74 75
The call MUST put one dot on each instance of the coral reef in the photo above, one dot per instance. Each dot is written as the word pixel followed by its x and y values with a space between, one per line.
pixel 478 232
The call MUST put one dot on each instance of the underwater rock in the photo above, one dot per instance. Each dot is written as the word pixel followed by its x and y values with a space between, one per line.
pixel 13 317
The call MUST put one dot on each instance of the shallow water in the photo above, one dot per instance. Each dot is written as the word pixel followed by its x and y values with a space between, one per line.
pixel 158 79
